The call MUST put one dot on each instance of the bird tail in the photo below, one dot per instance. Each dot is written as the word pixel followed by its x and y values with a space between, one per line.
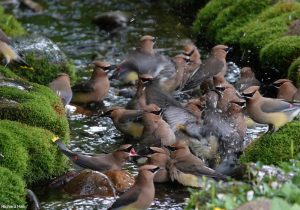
pixel 23 64
pixel 62 147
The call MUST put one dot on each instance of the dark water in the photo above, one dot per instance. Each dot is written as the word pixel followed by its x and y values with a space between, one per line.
pixel 68 23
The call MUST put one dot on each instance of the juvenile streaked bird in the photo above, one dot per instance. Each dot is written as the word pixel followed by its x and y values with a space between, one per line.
pixel 274 112
pixel 96 89
pixel 188 169
pixel 286 89
pixel 98 162
pixel 141 195
pixel 9 53
pixel 62 87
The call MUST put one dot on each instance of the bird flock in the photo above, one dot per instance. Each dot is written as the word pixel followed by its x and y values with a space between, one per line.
pixel 187 120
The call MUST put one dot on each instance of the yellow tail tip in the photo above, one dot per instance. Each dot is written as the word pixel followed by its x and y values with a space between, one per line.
pixel 26 67
pixel 55 138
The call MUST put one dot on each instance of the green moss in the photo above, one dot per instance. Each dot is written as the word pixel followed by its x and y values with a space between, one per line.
pixel 41 157
pixel 276 147
pixel 10 25
pixel 270 25
pixel 43 71
pixel 37 105
pixel 225 27
pixel 208 14
pixel 12 188
pixel 7 72
pixel 280 53
pixel 294 72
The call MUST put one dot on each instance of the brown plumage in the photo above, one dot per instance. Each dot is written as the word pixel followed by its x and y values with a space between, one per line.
pixel 141 195
pixel 246 79
pixel 214 64
pixel 62 87
pixel 188 169
pixel 276 113
pixel 95 89
pixel 286 89
pixel 99 162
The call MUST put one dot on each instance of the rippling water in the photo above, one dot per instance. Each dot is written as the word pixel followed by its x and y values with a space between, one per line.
pixel 68 23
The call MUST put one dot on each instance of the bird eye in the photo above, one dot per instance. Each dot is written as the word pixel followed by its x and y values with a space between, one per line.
pixel 189 53
pixel 153 170
pixel 248 95
pixel 219 88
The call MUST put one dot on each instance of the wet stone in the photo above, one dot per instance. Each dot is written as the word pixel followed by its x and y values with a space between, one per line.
pixel 122 180
pixel 89 183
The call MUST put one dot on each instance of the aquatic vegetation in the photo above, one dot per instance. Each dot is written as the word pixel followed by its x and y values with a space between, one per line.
pixel 12 188
pixel 10 25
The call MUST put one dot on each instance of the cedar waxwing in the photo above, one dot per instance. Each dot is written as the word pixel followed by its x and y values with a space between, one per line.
pixel 274 112
pixel 157 132
pixel 9 52
pixel 141 195
pixel 214 64
pixel 195 106
pixel 188 169
pixel 96 89
pixel 160 158
pixel 246 79
pixel 62 87
pixel 128 122
pixel 99 162
pixel 296 96
pixel 286 89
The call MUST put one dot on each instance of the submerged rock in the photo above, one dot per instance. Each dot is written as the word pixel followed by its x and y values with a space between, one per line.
pixel 111 20
pixel 122 180
pixel 88 183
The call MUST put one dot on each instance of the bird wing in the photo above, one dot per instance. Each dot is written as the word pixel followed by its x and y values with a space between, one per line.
pixel 274 105
pixel 127 198
pixel 154 95
pixel 178 116
pixel 204 72
pixel 132 116
pixel 4 38
pixel 196 167
pixel 85 87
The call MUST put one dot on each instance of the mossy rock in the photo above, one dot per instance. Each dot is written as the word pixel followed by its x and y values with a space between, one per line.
pixel 274 148
pixel 43 71
pixel 207 15
pixel 294 72
pixel 10 25
pixel 280 53
pixel 6 72
pixel 33 104
pixel 29 151
pixel 225 28
pixel 12 188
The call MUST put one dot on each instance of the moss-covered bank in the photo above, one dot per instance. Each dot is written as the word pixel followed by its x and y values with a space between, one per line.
pixel 273 148
pixel 259 30
pixel 10 25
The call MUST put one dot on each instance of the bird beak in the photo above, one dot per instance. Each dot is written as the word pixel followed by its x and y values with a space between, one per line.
pixel 132 153
pixel 228 49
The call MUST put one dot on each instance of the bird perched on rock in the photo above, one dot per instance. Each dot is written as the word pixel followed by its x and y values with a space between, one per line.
pixel 129 122
pixel 95 89
pixel 246 79
pixel 214 64
pixel 276 113
pixel 141 195
pixel 99 162
pixel 188 169
pixel 159 157
pixel 62 87
pixel 9 52
pixel 286 89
